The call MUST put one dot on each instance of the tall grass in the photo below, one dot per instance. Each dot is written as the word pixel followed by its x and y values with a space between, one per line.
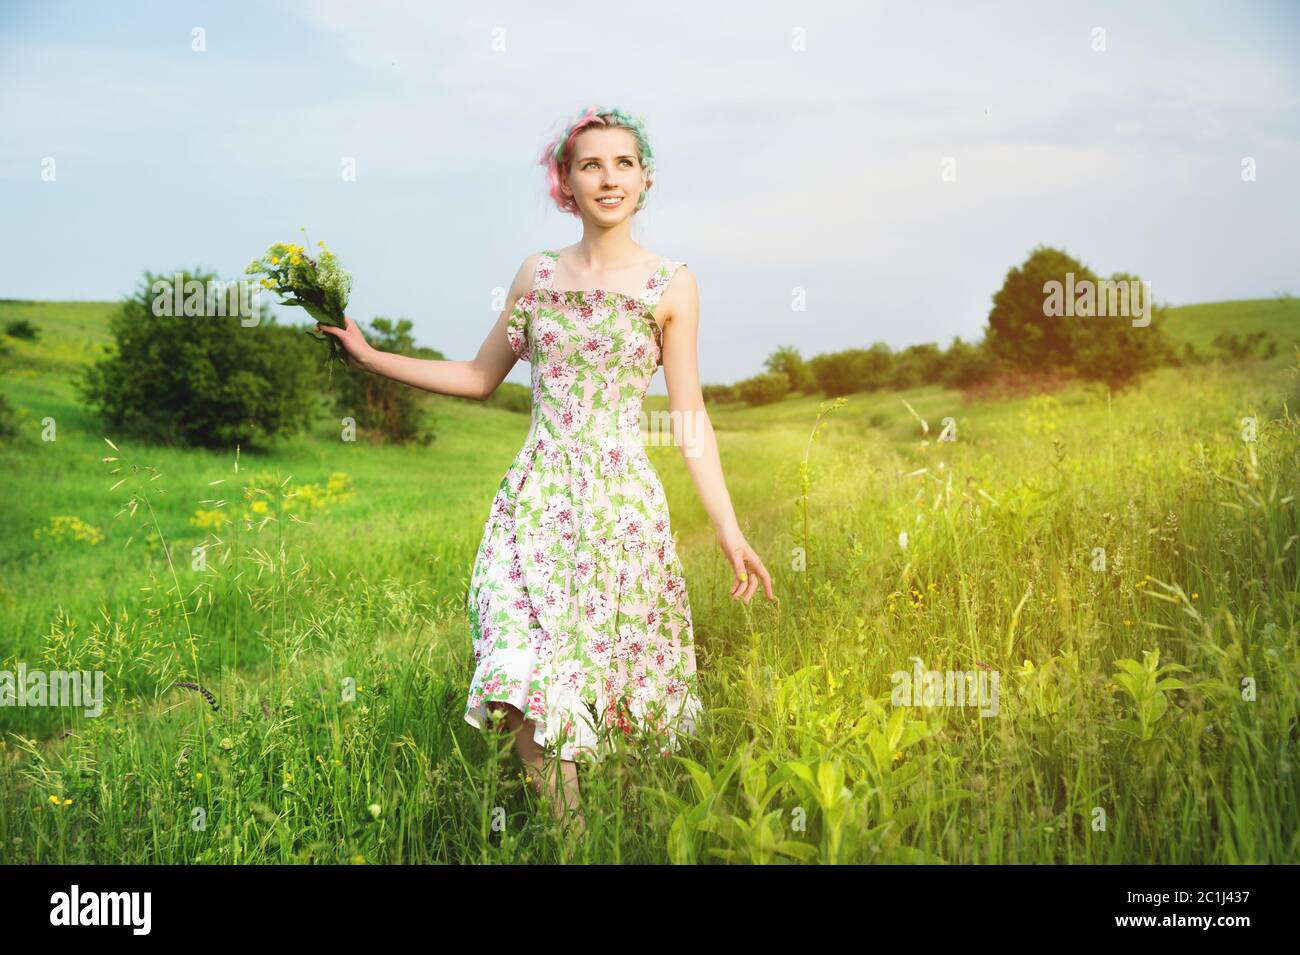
pixel 1126 564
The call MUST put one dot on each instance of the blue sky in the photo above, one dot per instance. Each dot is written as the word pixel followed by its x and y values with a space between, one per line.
pixel 777 168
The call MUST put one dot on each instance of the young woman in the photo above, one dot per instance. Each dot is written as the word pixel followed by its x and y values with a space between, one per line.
pixel 578 609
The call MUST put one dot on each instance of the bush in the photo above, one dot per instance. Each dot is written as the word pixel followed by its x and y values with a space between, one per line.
pixel 511 397
pixel 1107 348
pixel 916 365
pixel 789 362
pixel 1233 347
pixel 853 369
pixel 203 380
pixel 763 389
pixel 966 365
pixel 386 411
pixel 21 328
pixel 719 394
pixel 1189 356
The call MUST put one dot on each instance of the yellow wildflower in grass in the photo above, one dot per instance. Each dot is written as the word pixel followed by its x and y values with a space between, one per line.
pixel 54 799
pixel 258 507
pixel 67 527
pixel 309 496
pixel 215 519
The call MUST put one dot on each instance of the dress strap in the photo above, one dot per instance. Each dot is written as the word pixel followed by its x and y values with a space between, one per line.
pixel 545 272
pixel 659 281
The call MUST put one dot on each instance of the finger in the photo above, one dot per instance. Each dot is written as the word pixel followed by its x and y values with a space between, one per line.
pixel 753 584
pixel 738 565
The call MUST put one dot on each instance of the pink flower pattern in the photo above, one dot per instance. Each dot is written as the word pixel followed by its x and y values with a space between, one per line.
pixel 578 608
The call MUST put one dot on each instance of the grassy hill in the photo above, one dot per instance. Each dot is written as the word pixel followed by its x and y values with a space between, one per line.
pixel 1279 318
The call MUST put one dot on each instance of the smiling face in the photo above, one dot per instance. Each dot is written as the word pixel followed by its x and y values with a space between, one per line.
pixel 605 165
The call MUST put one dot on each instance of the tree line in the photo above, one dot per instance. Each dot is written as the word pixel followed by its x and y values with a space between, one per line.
pixel 1051 318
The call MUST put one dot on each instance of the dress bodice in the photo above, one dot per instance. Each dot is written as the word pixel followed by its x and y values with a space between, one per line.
pixel 593 355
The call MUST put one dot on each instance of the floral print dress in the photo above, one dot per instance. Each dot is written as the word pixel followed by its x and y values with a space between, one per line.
pixel 577 603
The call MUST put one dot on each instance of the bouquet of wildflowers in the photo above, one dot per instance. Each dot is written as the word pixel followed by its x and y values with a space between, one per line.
pixel 318 284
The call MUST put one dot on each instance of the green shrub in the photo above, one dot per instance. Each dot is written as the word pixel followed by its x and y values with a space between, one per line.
pixel 763 389
pixel 203 380
pixel 385 411
pixel 916 365
pixel 719 394
pixel 789 362
pixel 966 365
pixel 512 397
pixel 22 328
pixel 1108 348
pixel 1233 347
pixel 853 369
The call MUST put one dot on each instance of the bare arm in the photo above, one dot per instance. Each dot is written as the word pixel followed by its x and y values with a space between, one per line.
pixel 475 379
pixel 680 305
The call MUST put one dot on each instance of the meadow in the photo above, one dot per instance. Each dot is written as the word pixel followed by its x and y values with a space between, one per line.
pixel 1125 563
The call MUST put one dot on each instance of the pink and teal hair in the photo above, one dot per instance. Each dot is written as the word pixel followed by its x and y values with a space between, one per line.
pixel 559 152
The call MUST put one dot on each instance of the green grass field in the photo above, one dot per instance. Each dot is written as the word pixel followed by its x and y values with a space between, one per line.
pixel 1075 544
